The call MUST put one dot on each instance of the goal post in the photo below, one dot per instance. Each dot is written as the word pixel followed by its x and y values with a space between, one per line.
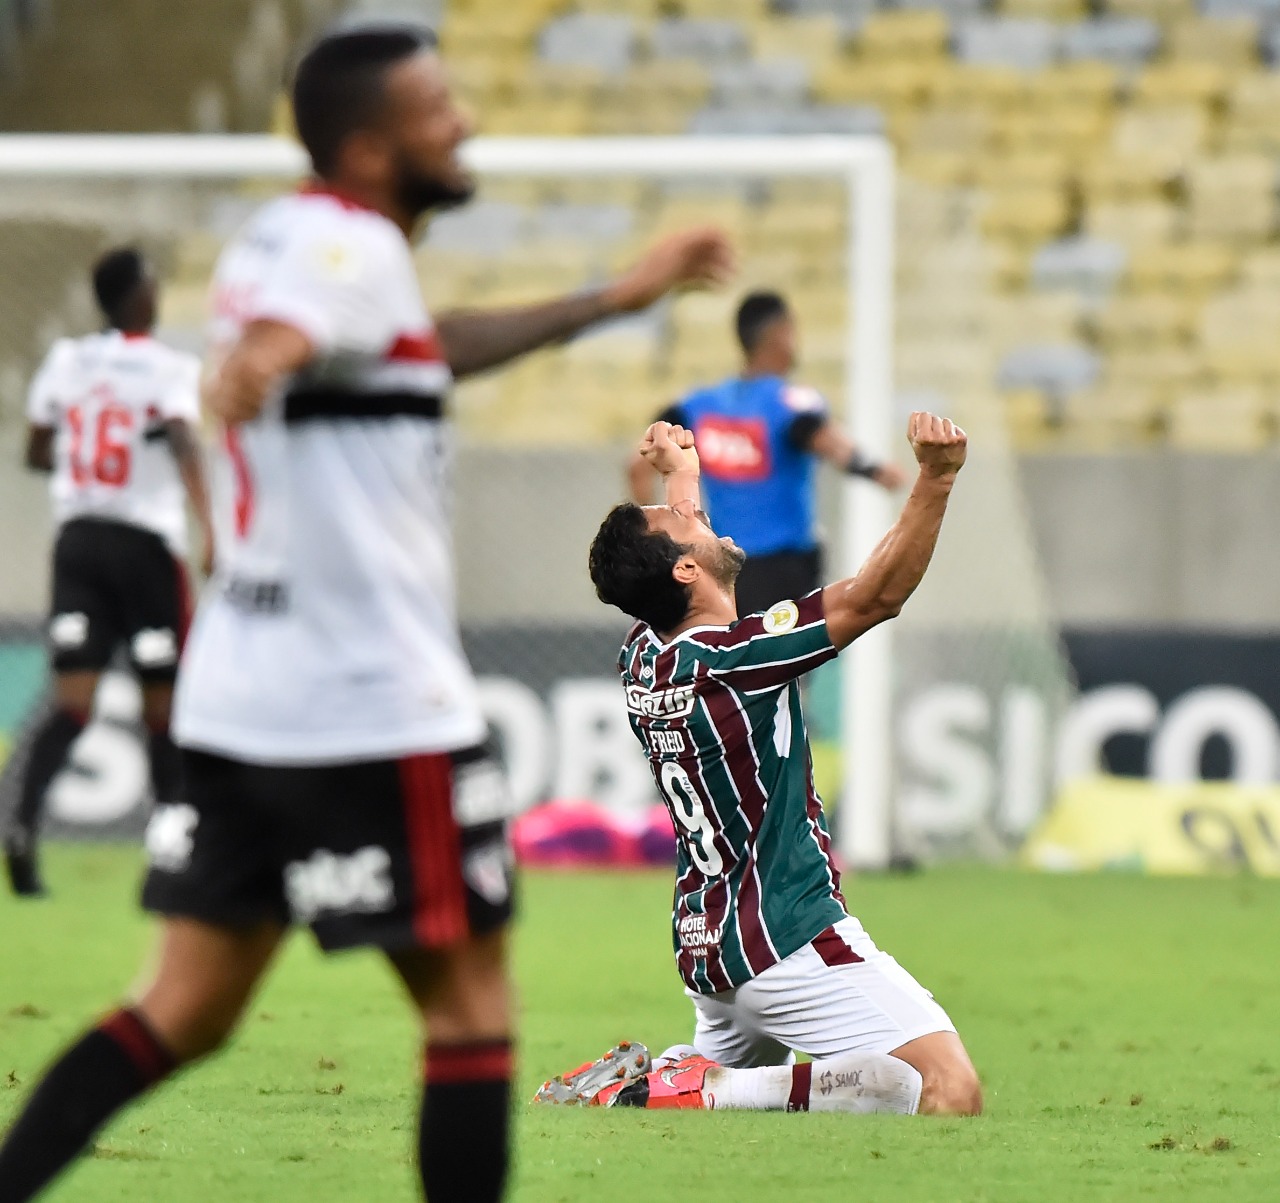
pixel 863 164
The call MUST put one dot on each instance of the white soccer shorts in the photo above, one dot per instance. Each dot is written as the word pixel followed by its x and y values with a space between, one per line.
pixel 838 994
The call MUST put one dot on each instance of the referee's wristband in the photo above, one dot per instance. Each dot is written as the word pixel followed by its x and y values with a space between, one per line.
pixel 862 465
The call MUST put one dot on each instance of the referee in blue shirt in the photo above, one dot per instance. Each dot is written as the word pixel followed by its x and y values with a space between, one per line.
pixel 758 438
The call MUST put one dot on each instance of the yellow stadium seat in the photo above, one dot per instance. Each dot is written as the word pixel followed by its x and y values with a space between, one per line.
pixel 564 118
pixel 1053 10
pixel 1027 169
pixel 1069 130
pixel 1026 214
pixel 1232 197
pixel 1230 42
pixel 955 131
pixel 929 314
pixel 1039 317
pixel 1156 10
pixel 1110 417
pixel 903 34
pixel 1227 419
pixel 816 39
pixel 1074 83
pixel 1132 322
pixel 1192 268
pixel 944 364
pixel 1231 365
pixel 1261 269
pixel 740 10
pixel 543 83
pixel 681 80
pixel 1027 417
pixel 939 168
pixel 1182 83
pixel 961 86
pixel 1138 223
pixel 1114 178
pixel 1241 318
pixel 1164 371
pixel 857 81
pixel 1169 134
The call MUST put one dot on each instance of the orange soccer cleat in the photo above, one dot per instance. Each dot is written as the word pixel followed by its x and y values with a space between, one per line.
pixel 682 1085
pixel 623 1063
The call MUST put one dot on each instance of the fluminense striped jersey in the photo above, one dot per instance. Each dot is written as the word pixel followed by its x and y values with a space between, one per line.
pixel 718 712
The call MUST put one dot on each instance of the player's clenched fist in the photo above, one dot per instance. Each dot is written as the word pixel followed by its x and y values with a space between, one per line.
pixel 939 444
pixel 669 448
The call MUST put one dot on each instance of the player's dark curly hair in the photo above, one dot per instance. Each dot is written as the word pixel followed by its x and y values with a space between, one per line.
pixel 631 569
pixel 116 277
pixel 338 87
pixel 757 311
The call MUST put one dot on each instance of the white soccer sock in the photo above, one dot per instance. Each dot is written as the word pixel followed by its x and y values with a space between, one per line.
pixel 857 1082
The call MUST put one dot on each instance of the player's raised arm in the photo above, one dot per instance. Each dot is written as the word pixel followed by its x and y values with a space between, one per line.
pixel 897 565
pixel 264 353
pixel 476 340
pixel 669 450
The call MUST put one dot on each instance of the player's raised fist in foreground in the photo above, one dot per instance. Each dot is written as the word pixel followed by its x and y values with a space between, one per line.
pixel 939 444
pixel 669 449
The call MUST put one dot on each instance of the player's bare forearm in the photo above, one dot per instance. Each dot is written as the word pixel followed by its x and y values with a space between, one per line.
pixel 897 565
pixel 670 452
pixel 641 479
pixel 190 460
pixel 265 353
pixel 39 453
pixel 477 340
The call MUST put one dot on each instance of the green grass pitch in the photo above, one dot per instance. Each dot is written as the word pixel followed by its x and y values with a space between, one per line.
pixel 1127 1031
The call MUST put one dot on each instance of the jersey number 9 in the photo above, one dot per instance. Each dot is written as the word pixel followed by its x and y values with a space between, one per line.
pixel 690 814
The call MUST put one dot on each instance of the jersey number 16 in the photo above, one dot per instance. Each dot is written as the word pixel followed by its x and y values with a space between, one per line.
pixel 110 456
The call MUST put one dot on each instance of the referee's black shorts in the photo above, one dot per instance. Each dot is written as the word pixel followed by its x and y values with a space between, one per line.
pixel 782 576
pixel 114 585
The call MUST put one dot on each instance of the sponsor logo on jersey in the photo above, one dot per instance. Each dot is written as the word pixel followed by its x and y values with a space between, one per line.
pixel 676 702
pixel 695 937
pixel 69 630
pixel 155 648
pixel 170 837
pixel 359 883
pixel 734 449
pixel 781 618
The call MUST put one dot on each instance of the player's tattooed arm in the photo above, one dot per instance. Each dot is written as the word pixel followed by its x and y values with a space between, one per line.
pixel 669 450
pixel 897 565
pixel 185 445
pixel 266 351
pixel 39 455
pixel 476 340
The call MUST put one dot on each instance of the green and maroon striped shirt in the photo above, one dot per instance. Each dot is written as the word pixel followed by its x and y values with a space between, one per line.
pixel 717 710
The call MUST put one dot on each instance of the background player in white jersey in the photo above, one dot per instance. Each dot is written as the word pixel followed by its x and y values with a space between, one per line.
pixel 114 418
pixel 769 954
pixel 335 762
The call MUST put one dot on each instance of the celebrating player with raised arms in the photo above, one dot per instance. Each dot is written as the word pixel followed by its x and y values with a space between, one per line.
pixel 113 417
pixel 336 767
pixel 768 952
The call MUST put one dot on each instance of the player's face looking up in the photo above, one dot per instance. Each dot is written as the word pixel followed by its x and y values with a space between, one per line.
pixel 721 558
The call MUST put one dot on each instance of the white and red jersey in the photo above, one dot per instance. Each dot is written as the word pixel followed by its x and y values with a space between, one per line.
pixel 107 396
pixel 329 632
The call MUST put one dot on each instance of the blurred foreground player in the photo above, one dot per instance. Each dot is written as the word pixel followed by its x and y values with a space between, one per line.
pixel 760 436
pixel 335 760
pixel 770 957
pixel 114 418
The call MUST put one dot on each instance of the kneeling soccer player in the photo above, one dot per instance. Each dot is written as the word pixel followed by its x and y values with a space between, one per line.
pixel 769 954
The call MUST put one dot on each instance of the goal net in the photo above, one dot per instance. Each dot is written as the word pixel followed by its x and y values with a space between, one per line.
pixel 935 734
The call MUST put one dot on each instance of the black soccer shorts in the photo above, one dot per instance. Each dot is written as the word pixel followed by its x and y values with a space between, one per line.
pixel 116 585
pixel 396 854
